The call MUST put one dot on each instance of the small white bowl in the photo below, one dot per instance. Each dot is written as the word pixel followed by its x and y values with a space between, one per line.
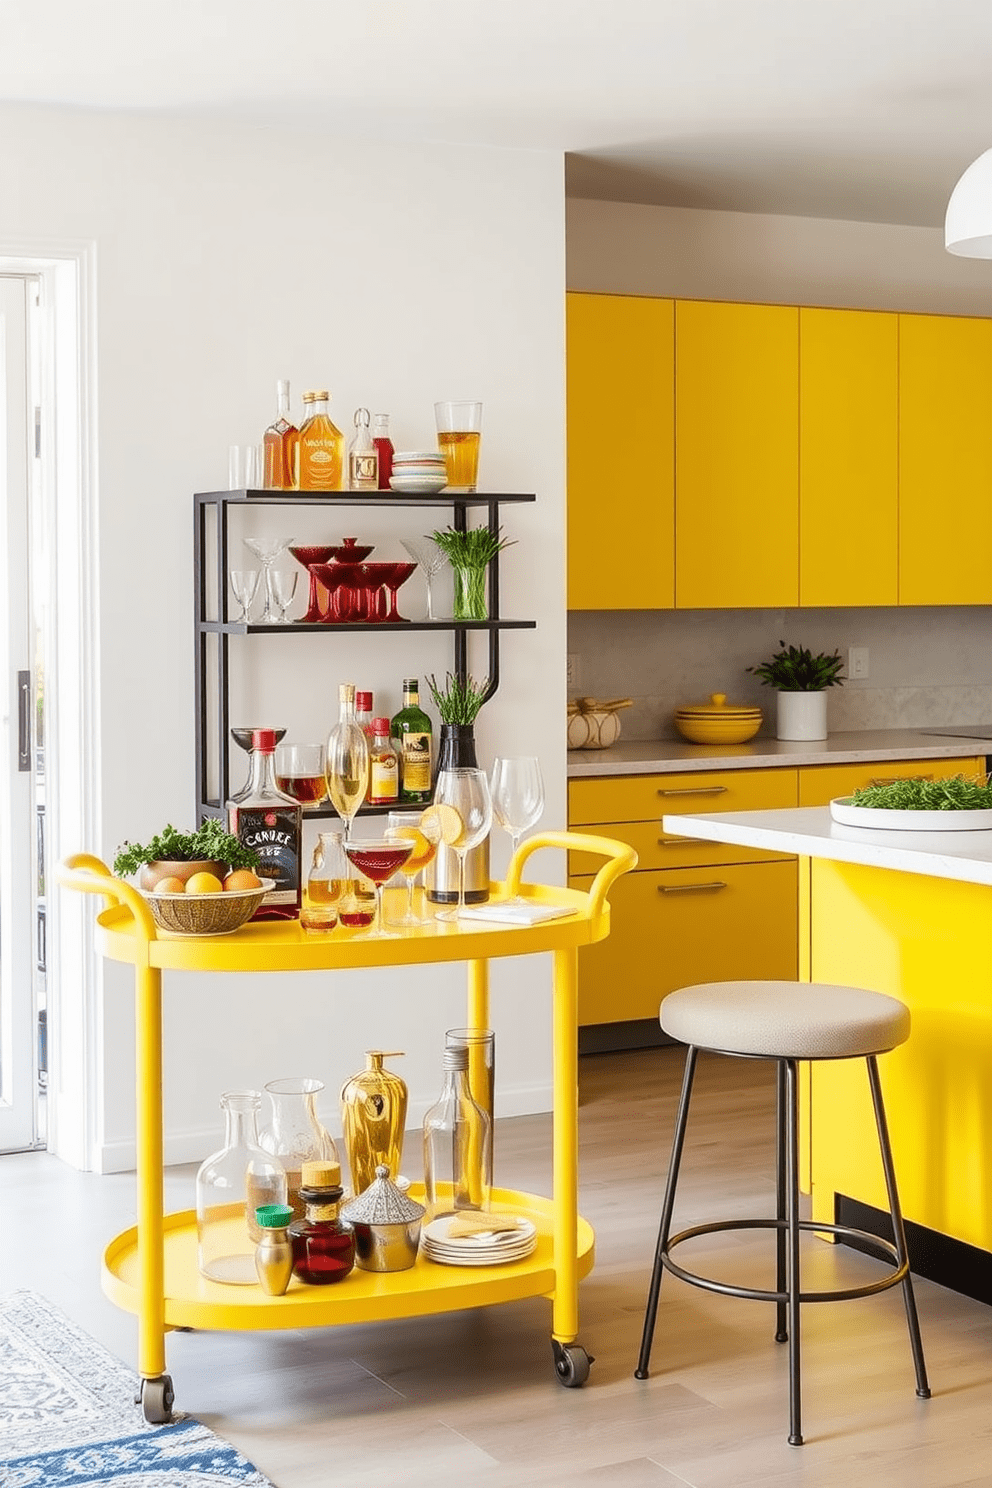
pixel 423 485
pixel 416 455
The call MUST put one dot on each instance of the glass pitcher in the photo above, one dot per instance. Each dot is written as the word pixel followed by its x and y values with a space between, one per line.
pixel 230 1186
pixel 295 1134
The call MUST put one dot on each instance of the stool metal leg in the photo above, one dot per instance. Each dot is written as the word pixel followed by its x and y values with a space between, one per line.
pixel 898 1229
pixel 667 1208
pixel 781 1331
pixel 793 1285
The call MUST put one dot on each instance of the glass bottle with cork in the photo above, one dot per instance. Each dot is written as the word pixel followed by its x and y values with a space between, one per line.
pixel 281 445
pixel 322 455
pixel 384 448
pixel 411 728
pixel 363 457
pixel 271 823
pixel 384 767
pixel 323 1244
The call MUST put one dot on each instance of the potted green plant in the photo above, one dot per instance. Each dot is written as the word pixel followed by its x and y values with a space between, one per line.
pixel 801 680
pixel 458 700
pixel 175 854
pixel 470 554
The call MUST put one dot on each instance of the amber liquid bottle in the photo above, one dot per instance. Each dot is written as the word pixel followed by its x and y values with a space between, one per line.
pixel 281 445
pixel 321 446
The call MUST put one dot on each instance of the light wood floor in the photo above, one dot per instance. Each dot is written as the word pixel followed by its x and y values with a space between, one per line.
pixel 470 1398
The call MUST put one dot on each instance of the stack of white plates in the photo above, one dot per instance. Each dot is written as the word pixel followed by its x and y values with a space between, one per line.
pixel 419 472
pixel 487 1248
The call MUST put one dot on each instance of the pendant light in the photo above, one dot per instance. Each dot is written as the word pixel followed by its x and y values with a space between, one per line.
pixel 968 221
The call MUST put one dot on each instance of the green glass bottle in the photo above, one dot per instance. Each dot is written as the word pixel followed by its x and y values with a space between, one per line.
pixel 411 728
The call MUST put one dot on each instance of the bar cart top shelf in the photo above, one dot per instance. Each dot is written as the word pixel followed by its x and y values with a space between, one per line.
pixel 363 498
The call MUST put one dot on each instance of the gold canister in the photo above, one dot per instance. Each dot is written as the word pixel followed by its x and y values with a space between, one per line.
pixel 373 1111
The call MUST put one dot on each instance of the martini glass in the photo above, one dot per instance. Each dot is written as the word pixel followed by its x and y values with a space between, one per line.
pixel 378 861
pixel 396 577
pixel 425 551
pixel 267 550
pixel 308 556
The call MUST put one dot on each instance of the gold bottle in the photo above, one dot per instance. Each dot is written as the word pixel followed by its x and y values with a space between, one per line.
pixel 373 1110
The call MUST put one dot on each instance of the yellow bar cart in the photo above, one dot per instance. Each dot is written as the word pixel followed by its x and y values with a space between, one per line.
pixel 151 1269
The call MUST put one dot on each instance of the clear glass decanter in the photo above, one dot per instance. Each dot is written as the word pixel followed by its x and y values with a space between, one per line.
pixel 457 1144
pixel 295 1134
pixel 230 1186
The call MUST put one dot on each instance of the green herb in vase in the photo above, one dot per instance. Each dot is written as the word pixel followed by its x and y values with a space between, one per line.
pixel 470 554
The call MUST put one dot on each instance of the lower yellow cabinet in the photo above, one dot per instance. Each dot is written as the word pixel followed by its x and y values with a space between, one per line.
pixel 821 784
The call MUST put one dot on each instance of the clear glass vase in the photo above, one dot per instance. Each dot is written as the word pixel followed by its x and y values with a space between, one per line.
pixel 457 1144
pixel 230 1186
pixel 470 601
pixel 295 1134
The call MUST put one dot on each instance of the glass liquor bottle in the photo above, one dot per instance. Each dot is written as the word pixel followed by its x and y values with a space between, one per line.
pixel 323 1244
pixel 411 728
pixel 457 1144
pixel 363 457
pixel 230 1186
pixel 321 446
pixel 325 883
pixel 363 717
pixel 384 770
pixel 266 819
pixel 281 445
pixel 384 447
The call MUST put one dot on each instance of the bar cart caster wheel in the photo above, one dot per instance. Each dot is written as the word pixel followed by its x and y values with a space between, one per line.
pixel 156 1399
pixel 571 1364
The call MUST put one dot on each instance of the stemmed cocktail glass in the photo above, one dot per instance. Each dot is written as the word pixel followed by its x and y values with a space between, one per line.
pixel 518 796
pixel 309 556
pixel 244 582
pixel 422 831
pixel 378 861
pixel 464 811
pixel 394 580
pixel 425 551
pixel 267 550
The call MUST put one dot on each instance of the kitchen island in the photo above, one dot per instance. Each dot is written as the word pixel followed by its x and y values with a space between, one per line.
pixel 908 913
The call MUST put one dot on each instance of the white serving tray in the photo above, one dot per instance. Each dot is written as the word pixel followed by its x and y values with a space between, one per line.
pixel 881 820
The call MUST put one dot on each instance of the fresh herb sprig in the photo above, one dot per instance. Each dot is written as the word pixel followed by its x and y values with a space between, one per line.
pixel 172 846
pixel 796 669
pixel 957 793
pixel 458 699
pixel 472 549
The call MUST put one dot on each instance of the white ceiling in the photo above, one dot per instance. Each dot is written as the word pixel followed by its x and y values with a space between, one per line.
pixel 860 109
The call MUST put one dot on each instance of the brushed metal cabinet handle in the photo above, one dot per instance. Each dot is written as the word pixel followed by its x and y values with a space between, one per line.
pixel 702 888
pixel 895 779
pixel 676 841
pixel 697 790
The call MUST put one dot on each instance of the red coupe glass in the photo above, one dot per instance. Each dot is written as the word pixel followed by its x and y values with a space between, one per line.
pixel 309 556
pixel 394 580
pixel 378 861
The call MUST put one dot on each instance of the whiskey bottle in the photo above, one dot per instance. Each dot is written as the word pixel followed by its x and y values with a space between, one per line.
pixel 411 728
pixel 281 445
pixel 321 446
pixel 266 819
pixel 363 457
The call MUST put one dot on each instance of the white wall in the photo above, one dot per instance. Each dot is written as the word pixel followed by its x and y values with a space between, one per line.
pixel 227 257
pixel 927 666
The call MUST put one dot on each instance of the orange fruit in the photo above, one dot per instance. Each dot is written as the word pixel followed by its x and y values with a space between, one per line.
pixel 241 878
pixel 204 883
pixel 169 886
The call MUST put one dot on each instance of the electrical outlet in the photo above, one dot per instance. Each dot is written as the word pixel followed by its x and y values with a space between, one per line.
pixel 572 671
pixel 857 662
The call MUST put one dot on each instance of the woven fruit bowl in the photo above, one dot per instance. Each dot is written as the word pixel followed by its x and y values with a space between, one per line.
pixel 207 914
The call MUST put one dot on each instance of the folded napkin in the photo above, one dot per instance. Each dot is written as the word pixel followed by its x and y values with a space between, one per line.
pixel 464 1225
pixel 509 913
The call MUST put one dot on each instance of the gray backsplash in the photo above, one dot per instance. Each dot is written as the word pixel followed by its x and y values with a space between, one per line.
pixel 927 666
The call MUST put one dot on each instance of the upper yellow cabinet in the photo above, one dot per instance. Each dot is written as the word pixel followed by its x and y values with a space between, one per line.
pixel 736 455
pixel 848 457
pixel 945 460
pixel 620 444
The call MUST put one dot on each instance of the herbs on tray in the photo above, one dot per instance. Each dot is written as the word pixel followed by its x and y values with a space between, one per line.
pixel 172 846
pixel 958 793
pixel 796 669
pixel 458 699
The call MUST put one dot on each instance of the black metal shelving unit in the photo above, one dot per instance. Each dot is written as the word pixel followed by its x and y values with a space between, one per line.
pixel 210 531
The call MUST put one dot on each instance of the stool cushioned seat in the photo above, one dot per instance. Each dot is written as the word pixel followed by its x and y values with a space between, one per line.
pixel 785 1020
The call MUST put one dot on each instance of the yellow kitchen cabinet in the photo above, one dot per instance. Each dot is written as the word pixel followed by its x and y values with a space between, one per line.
pixel 848 457
pixel 672 928
pixel 620 411
pixel 945 460
pixel 736 455
pixel 821 784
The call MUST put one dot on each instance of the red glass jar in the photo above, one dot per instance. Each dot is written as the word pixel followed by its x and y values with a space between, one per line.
pixel 323 1245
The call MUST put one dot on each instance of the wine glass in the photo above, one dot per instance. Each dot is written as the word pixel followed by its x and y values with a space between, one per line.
pixel 282 587
pixel 378 860
pixel 425 551
pixel 347 769
pixel 464 811
pixel 244 582
pixel 267 550
pixel 410 826
pixel 518 796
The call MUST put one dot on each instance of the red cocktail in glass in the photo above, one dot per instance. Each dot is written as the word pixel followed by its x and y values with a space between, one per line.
pixel 378 861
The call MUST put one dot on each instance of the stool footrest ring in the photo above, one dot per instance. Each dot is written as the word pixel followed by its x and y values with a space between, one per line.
pixel 883 1250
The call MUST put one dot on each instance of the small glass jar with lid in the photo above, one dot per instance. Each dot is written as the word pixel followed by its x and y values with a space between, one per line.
pixel 230 1186
pixel 323 1244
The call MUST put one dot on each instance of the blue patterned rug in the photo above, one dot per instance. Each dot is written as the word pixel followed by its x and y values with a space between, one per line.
pixel 67 1416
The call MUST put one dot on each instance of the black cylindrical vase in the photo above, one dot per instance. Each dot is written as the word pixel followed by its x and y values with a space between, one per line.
pixel 457 752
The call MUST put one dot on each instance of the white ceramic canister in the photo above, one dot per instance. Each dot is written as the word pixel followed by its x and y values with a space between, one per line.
pixel 802 715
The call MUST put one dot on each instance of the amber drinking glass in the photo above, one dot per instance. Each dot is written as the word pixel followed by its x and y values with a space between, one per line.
pixel 409 826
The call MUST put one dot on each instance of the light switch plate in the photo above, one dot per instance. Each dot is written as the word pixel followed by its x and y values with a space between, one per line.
pixel 857 663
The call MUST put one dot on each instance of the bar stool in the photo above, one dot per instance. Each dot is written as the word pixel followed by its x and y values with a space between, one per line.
pixel 787 1022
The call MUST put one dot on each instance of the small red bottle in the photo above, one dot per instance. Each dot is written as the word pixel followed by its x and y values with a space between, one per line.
pixel 384 445
pixel 323 1245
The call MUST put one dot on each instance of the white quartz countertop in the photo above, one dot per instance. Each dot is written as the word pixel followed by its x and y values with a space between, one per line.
pixel 667 756
pixel 811 832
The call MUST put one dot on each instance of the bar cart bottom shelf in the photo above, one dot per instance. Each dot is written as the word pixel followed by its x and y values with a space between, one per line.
pixel 427 1287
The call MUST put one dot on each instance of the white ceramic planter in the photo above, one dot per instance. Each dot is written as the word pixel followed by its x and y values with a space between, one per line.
pixel 802 715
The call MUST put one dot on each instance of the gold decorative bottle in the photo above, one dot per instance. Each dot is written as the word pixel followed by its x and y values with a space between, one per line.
pixel 373 1110
pixel 321 448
